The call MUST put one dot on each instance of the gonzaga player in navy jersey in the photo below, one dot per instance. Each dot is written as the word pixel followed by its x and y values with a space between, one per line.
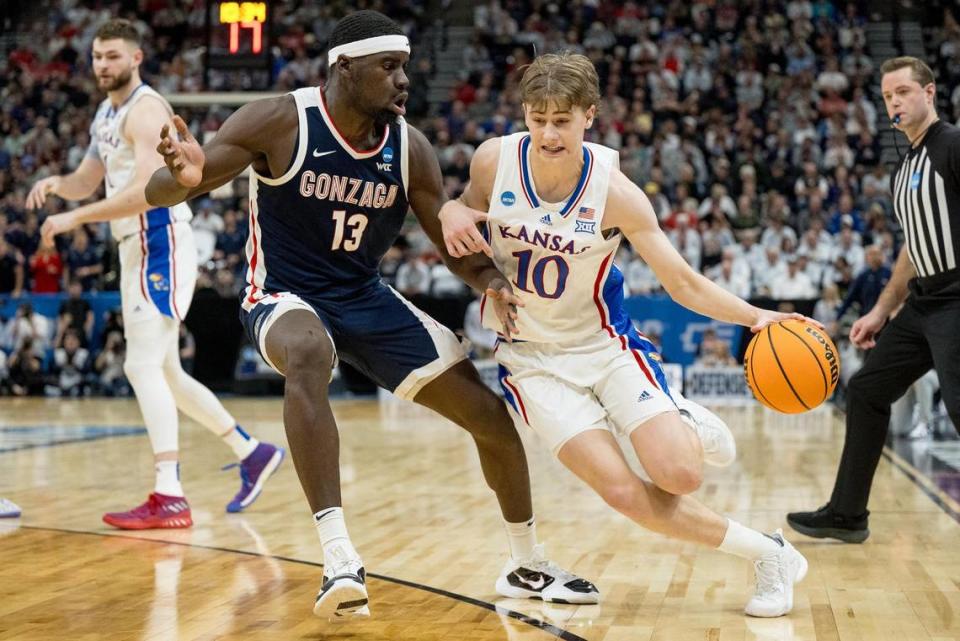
pixel 333 172
pixel 158 263
pixel 572 365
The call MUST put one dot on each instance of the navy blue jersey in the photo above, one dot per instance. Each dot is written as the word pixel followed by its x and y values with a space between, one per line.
pixel 320 230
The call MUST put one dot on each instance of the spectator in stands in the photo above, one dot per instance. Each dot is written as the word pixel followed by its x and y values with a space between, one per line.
pixel 11 270
pixel 868 284
pixel 75 314
pixel 845 214
pixel 84 262
pixel 109 367
pixel 728 278
pixel 70 366
pixel 848 244
pixel 772 270
pixel 27 326
pixel 413 276
pixel 715 235
pixel 811 182
pixel 231 243
pixel 777 230
pixel 207 225
pixel 794 285
pixel 26 373
pixel 826 308
pixel 686 239
pixel 46 271
pixel 639 278
pixel 716 353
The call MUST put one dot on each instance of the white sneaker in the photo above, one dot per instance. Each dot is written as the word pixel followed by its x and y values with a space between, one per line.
pixel 538 578
pixel 719 446
pixel 776 572
pixel 343 592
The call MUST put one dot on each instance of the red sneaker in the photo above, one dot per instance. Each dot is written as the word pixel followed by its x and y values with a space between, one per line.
pixel 160 511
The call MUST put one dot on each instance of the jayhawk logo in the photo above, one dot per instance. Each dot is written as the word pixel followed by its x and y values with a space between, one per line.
pixel 159 283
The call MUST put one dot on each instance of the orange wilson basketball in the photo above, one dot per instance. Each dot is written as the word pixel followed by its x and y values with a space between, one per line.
pixel 791 366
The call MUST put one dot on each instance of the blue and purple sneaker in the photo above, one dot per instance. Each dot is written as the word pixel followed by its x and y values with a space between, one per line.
pixel 254 472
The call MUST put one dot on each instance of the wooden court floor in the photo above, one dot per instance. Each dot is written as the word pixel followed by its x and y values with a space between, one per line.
pixel 430 536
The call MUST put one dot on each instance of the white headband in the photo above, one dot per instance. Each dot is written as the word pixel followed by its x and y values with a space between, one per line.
pixel 368 46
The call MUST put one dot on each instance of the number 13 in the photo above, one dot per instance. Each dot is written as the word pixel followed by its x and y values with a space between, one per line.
pixel 357 223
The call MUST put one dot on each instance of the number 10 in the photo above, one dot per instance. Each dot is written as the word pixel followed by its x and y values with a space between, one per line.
pixel 539 271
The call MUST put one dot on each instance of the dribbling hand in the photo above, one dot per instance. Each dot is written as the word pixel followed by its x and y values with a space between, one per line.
pixel 182 153
pixel 767 317
pixel 505 304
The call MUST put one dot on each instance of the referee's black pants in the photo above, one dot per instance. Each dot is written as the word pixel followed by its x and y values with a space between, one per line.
pixel 925 334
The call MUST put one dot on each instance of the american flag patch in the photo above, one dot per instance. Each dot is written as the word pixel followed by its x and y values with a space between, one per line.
pixel 586 213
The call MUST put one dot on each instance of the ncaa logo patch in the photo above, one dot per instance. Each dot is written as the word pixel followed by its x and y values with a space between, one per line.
pixel 508 199
pixel 915 180
pixel 387 154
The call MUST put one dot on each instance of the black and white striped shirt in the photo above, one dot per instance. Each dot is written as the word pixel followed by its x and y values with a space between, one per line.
pixel 926 200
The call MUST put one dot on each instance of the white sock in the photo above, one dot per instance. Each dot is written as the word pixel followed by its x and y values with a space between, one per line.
pixel 743 542
pixel 522 538
pixel 332 530
pixel 240 442
pixel 168 478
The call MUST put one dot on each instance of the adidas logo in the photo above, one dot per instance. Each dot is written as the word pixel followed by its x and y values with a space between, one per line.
pixel 644 396
pixel 546 220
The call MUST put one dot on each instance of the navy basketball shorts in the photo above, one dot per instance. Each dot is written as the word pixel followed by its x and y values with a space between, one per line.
pixel 379 332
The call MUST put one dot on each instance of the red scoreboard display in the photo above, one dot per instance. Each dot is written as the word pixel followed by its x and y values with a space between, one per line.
pixel 238 42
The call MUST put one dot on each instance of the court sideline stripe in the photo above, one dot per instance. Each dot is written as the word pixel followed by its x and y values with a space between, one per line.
pixel 122 430
pixel 519 616
pixel 944 501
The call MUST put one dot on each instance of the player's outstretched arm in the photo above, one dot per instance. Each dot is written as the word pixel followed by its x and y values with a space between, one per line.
pixel 146 115
pixel 629 209
pixel 77 185
pixel 191 170
pixel 461 216
pixel 427 198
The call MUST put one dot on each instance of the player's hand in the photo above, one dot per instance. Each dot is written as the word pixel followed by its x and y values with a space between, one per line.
pixel 182 153
pixel 505 304
pixel 460 234
pixel 864 331
pixel 38 194
pixel 767 317
pixel 56 224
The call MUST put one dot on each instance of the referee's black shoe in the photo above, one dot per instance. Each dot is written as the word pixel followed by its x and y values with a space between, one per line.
pixel 827 524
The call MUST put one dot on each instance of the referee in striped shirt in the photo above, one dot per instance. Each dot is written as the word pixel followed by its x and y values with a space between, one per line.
pixel 926 280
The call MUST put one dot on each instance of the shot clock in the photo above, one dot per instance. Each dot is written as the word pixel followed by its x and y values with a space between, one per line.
pixel 238 44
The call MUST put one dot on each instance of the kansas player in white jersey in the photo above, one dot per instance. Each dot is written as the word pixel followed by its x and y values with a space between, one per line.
pixel 572 365
pixel 335 170
pixel 158 263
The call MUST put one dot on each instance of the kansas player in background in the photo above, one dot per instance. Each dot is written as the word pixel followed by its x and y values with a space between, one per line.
pixel 158 268
pixel 334 171
pixel 579 372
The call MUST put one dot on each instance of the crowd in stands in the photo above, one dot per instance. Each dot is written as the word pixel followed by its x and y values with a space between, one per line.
pixel 751 125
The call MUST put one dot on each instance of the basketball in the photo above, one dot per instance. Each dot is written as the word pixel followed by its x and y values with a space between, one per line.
pixel 791 366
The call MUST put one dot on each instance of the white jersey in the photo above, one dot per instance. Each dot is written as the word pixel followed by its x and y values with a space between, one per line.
pixel 108 143
pixel 555 255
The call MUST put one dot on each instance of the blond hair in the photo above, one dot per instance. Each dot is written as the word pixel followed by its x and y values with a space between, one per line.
pixel 919 70
pixel 565 79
